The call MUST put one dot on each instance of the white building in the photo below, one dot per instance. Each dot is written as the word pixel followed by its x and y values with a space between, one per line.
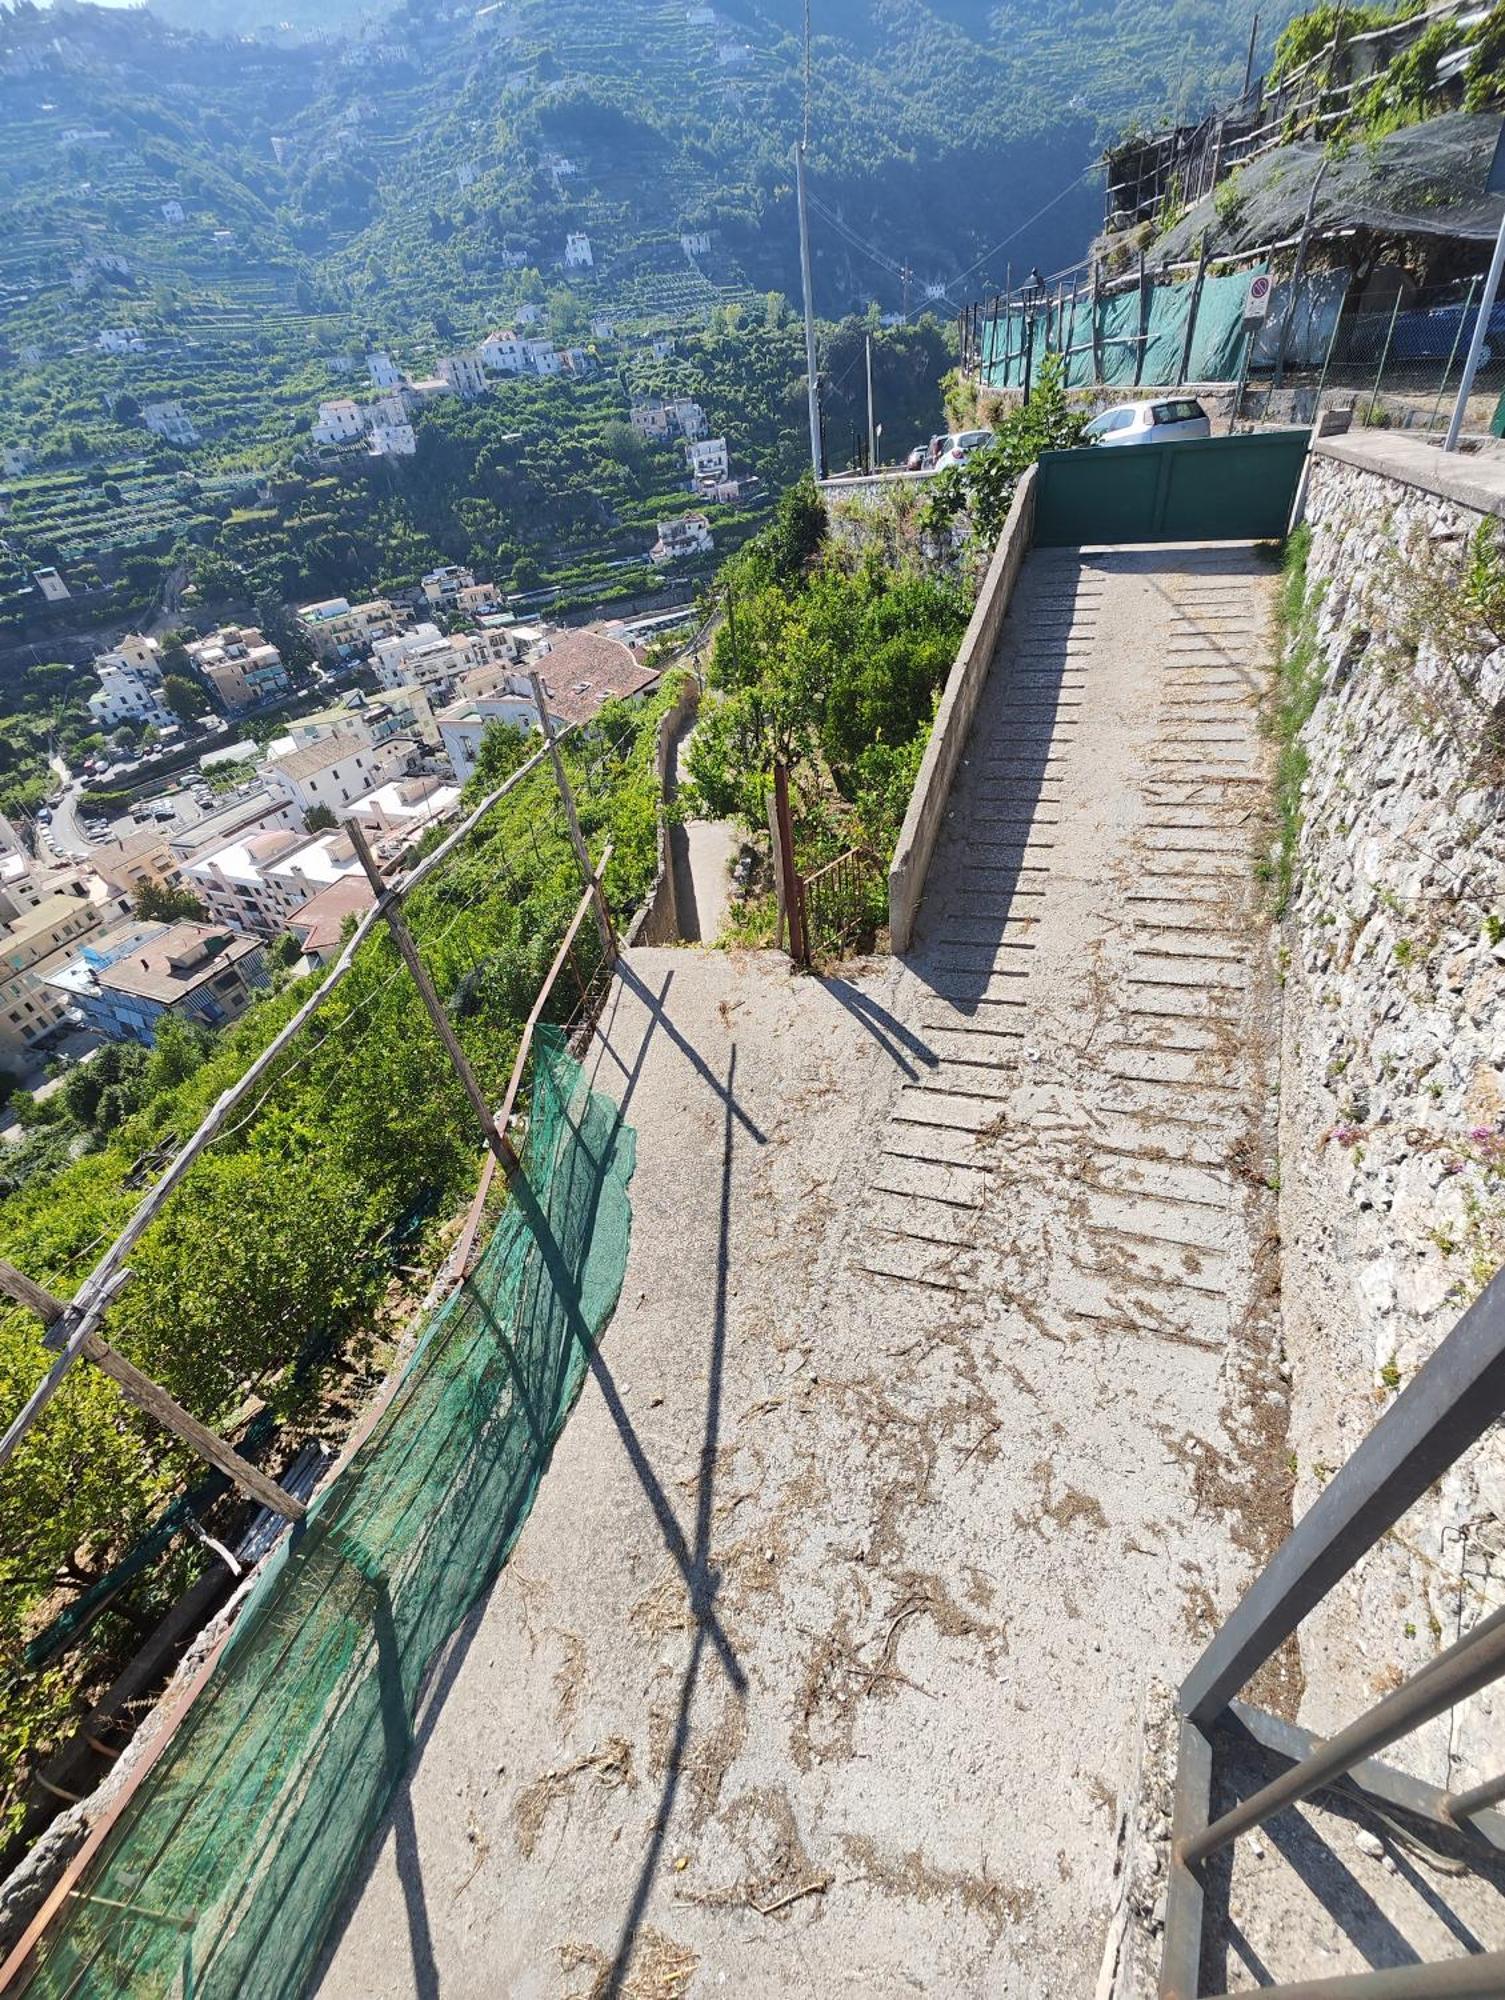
pixel 314 867
pixel 424 656
pixel 577 252
pixel 339 422
pixel 232 881
pixel 14 459
pixel 442 586
pixel 406 806
pixel 172 211
pixel 689 536
pixel 170 421
pixel 393 440
pixel 384 372
pixel 335 770
pixel 662 346
pixel 603 328
pixel 51 585
pixel 502 352
pixel 709 461
pixel 465 373
pixel 130 681
pixel 527 314
pixel 696 243
pixel 119 340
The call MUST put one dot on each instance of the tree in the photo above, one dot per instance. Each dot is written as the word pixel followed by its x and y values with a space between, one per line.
pixel 185 698
pixel 159 903
pixel 319 819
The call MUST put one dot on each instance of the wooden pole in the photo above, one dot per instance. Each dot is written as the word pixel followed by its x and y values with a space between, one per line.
pixel 799 950
pixel 407 950
pixel 1144 325
pixel 1097 322
pixel 1191 313
pixel 577 838
pixel 154 1400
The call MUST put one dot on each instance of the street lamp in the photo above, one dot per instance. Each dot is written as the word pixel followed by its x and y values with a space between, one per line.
pixel 1034 293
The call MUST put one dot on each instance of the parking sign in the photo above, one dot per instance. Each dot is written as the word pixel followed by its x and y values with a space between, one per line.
pixel 1257 303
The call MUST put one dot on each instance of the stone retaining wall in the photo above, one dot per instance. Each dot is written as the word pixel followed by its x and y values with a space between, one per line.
pixel 1393 1065
pixel 657 920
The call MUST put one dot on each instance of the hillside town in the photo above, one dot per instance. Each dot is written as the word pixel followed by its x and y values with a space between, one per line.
pixel 235 856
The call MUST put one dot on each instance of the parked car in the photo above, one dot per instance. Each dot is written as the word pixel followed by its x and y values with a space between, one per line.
pixel 916 459
pixel 960 447
pixel 1162 421
pixel 934 449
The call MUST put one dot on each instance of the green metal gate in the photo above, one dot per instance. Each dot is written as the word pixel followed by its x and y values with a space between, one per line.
pixel 1225 489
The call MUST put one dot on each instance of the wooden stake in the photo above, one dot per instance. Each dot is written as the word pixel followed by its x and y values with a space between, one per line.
pixel 402 937
pixel 150 1397
pixel 794 908
pixel 577 838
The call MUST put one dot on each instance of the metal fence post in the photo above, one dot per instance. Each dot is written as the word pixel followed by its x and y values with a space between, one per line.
pixel 1442 386
pixel 1191 314
pixel 1384 357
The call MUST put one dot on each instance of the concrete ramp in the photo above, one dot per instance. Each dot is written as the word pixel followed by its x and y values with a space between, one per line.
pixel 938 1419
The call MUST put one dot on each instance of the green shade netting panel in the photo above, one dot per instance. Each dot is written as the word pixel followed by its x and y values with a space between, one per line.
pixel 229 1864
pixel 1216 350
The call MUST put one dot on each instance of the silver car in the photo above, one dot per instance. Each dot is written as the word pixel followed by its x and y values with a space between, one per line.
pixel 1162 420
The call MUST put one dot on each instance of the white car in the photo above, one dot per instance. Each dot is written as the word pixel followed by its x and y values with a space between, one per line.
pixel 961 445
pixel 1162 421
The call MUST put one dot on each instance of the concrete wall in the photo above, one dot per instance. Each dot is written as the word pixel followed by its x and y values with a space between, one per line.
pixel 1392 1192
pixel 657 922
pixel 953 719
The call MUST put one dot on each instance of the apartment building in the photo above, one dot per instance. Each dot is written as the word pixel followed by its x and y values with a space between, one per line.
pixel 129 979
pixel 130 684
pixel 338 628
pixel 33 946
pixel 241 668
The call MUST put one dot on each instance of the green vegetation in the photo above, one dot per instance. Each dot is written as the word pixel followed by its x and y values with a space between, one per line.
pixel 263 220
pixel 980 491
pixel 1298 685
pixel 269 1276
pixel 830 663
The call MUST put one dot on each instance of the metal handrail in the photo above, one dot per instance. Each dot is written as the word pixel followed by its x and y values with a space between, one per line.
pixel 1456 1396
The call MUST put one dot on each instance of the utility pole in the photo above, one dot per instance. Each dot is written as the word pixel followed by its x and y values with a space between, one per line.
pixel 905 277
pixel 872 435
pixel 577 838
pixel 1249 62
pixel 812 379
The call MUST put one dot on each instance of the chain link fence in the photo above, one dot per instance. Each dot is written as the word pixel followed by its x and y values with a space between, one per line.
pixel 1396 367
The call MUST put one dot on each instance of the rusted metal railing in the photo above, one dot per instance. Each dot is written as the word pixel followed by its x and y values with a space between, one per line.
pixel 835 900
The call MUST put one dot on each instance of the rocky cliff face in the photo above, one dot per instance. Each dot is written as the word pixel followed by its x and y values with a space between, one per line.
pixel 1393 1070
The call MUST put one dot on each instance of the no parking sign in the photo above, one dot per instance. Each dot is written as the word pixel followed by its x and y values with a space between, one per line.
pixel 1257 303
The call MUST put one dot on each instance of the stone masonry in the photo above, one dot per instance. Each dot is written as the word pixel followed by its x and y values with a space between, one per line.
pixel 1393 1107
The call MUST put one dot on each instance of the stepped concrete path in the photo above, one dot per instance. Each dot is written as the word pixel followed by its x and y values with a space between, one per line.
pixel 939 1417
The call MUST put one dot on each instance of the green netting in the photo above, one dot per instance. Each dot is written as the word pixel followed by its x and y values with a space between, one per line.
pixel 1215 349
pixel 227 1867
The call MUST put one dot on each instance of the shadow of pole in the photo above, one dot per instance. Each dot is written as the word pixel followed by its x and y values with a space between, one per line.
pixel 703 1580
